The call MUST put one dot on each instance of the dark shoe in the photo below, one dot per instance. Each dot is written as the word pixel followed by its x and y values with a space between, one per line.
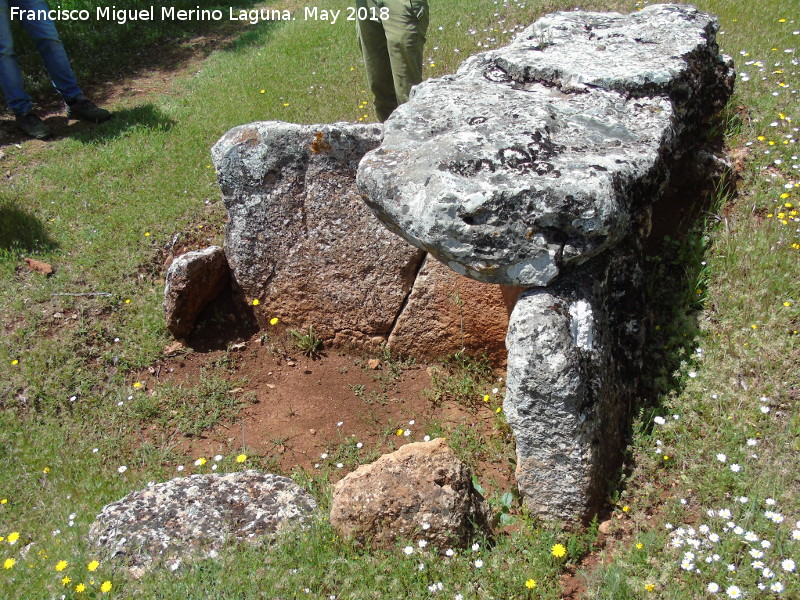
pixel 86 110
pixel 33 126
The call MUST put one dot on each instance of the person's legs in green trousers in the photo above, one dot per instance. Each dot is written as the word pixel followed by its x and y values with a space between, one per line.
pixel 392 49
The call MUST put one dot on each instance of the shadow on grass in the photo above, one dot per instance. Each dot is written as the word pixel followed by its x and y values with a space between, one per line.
pixel 123 122
pixel 674 265
pixel 22 233
pixel 676 283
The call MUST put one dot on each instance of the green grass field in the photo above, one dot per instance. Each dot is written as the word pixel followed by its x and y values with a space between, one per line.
pixel 709 504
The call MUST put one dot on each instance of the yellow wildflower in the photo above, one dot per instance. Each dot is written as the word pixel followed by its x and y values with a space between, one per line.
pixel 530 584
pixel 105 587
pixel 241 458
pixel 61 565
pixel 559 551
pixel 92 566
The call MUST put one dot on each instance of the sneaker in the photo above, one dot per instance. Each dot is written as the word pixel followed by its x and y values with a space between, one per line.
pixel 33 126
pixel 86 110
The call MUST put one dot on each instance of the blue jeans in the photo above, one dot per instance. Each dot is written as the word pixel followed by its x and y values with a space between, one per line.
pixel 44 35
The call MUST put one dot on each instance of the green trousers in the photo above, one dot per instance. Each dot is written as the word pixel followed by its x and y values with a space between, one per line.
pixel 392 49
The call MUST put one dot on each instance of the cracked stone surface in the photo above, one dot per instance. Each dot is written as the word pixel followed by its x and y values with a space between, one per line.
pixel 536 157
pixel 447 313
pixel 197 515
pixel 299 238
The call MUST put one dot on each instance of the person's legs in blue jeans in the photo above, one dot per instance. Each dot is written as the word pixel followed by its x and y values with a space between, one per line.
pixel 48 43
pixel 10 75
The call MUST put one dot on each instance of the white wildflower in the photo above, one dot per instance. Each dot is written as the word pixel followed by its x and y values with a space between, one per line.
pixel 733 592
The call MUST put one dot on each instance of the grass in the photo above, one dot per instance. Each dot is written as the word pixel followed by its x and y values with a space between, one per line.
pixel 462 379
pixel 104 206
pixel 88 41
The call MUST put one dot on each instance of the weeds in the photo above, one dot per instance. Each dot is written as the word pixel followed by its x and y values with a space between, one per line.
pixel 461 379
pixel 189 410
pixel 308 343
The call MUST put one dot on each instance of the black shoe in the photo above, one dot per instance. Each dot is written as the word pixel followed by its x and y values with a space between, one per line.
pixel 33 126
pixel 86 110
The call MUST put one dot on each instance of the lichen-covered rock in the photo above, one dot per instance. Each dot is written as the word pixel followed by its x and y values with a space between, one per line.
pixel 193 280
pixel 535 157
pixel 421 491
pixel 299 238
pixel 574 367
pixel 195 515
pixel 448 313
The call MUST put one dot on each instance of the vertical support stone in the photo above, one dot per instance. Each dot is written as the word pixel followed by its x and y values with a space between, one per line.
pixel 574 356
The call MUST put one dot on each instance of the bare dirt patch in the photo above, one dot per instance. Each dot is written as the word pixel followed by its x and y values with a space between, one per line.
pixel 300 411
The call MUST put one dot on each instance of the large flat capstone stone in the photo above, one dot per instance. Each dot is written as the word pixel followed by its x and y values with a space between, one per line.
pixel 535 157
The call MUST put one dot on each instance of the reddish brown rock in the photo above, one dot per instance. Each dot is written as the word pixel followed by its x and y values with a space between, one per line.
pixel 39 266
pixel 193 280
pixel 300 239
pixel 421 491
pixel 447 313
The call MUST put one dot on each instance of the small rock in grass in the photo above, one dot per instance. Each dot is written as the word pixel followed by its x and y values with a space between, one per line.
pixel 421 491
